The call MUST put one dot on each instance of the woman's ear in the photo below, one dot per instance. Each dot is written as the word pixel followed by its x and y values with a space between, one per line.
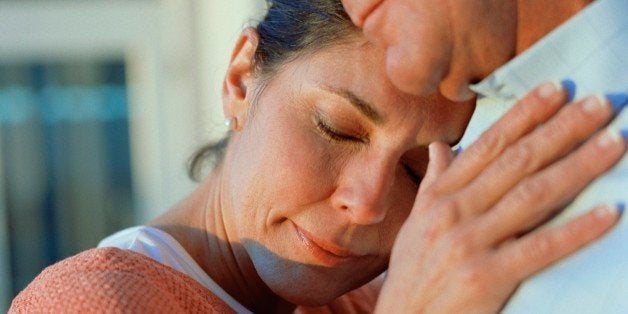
pixel 237 84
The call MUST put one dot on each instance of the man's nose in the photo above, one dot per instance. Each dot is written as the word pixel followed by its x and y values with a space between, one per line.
pixel 363 191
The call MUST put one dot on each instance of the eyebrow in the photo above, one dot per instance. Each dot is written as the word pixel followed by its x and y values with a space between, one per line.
pixel 363 106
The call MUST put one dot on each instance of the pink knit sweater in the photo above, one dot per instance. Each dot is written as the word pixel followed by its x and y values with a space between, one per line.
pixel 110 280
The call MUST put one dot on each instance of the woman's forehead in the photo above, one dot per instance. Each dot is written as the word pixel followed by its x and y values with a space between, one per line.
pixel 354 69
pixel 356 75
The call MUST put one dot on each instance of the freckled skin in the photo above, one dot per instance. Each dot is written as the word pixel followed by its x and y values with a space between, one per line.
pixel 282 170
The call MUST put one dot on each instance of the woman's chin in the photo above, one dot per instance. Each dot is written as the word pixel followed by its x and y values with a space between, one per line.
pixel 298 283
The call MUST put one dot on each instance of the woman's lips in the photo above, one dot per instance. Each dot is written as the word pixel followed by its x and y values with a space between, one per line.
pixel 325 251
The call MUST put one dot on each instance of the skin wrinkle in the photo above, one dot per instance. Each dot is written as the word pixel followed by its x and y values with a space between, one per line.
pixel 253 211
pixel 243 284
pixel 348 234
pixel 280 169
pixel 362 105
pixel 277 171
pixel 484 35
pixel 249 280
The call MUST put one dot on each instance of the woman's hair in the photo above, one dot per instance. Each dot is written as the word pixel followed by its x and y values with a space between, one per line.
pixel 290 29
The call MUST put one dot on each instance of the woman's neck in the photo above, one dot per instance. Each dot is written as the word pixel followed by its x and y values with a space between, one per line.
pixel 202 224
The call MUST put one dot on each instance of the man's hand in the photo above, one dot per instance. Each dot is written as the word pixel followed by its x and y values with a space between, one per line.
pixel 473 234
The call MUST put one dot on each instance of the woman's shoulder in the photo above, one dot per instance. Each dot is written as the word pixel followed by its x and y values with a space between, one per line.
pixel 110 279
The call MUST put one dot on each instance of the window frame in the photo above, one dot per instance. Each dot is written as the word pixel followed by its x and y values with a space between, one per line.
pixel 175 52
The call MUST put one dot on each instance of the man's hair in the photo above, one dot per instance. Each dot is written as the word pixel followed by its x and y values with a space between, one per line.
pixel 290 29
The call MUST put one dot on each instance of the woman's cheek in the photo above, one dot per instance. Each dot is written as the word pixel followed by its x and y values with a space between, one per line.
pixel 306 164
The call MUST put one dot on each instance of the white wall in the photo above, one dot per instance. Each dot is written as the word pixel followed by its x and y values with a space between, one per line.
pixel 176 53
pixel 178 83
pixel 219 25
pixel 4 245
pixel 65 29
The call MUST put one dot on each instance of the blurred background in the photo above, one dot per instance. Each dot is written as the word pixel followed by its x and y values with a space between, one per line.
pixel 102 102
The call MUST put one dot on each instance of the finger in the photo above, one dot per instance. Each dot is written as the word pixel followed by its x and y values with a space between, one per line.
pixel 546 144
pixel 535 108
pixel 539 249
pixel 537 197
pixel 441 157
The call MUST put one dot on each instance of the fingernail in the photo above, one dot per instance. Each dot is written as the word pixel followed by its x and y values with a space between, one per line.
pixel 570 88
pixel 431 150
pixel 594 103
pixel 621 207
pixel 607 210
pixel 610 138
pixel 618 101
pixel 548 90
pixel 458 151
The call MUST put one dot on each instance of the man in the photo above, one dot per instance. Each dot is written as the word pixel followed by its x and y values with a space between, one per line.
pixel 504 48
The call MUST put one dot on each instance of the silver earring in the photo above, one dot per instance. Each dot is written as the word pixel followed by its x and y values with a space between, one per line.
pixel 231 123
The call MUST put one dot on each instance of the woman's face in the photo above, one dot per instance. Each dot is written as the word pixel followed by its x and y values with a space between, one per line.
pixel 325 170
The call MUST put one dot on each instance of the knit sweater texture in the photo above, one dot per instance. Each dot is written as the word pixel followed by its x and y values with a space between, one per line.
pixel 111 280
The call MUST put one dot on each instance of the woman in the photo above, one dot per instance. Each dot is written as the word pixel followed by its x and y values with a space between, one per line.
pixel 318 193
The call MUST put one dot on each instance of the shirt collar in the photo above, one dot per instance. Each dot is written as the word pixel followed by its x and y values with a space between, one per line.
pixel 555 56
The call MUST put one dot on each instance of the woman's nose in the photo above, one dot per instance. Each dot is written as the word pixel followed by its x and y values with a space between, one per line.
pixel 363 191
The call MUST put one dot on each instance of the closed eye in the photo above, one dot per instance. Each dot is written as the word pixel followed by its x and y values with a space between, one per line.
pixel 335 135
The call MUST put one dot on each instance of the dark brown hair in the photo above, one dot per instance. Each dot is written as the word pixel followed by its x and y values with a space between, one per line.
pixel 290 29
